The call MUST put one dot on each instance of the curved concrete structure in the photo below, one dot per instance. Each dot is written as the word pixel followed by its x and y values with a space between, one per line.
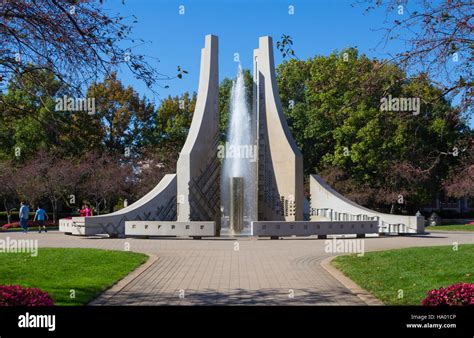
pixel 198 167
pixel 340 208
pixel 280 163
pixel 192 194
pixel 188 203
pixel 159 204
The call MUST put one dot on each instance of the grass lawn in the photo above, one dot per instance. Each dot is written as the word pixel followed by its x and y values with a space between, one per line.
pixel 57 271
pixel 413 270
pixel 452 227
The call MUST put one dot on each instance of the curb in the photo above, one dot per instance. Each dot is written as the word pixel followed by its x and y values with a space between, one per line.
pixel 105 296
pixel 364 295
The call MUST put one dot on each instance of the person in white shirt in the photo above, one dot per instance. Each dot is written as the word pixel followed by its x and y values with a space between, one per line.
pixel 24 210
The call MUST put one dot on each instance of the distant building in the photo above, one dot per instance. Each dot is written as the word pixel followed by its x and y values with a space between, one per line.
pixel 455 205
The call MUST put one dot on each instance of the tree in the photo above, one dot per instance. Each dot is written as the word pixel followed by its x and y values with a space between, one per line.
pixel 285 46
pixel 173 120
pixel 106 179
pixel 377 157
pixel 30 122
pixel 153 165
pixel 28 183
pixel 123 116
pixel 164 140
pixel 47 176
pixel 460 182
pixel 78 41
pixel 7 187
pixel 438 36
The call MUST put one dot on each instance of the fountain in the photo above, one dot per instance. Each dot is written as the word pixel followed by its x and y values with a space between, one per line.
pixel 238 177
pixel 236 205
pixel 261 177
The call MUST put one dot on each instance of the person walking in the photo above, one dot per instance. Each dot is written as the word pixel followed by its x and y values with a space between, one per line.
pixel 40 215
pixel 24 211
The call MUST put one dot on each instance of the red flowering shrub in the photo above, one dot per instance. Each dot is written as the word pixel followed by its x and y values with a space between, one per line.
pixel 13 225
pixel 456 294
pixel 16 295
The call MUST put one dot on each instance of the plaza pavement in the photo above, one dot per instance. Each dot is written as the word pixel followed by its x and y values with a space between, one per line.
pixel 241 271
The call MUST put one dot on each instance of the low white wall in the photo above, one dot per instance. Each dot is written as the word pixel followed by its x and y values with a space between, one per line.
pixel 323 196
pixel 167 228
pixel 302 228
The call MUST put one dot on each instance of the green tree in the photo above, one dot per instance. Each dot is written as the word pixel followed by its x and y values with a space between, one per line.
pixel 30 123
pixel 333 107
pixel 163 141
pixel 8 194
pixel 173 119
pixel 124 117
pixel 169 130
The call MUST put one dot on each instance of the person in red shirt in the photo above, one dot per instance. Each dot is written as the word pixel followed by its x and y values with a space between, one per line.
pixel 85 211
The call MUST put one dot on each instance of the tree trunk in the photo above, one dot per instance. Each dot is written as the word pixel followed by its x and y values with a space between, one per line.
pixel 392 209
pixel 9 217
pixel 53 204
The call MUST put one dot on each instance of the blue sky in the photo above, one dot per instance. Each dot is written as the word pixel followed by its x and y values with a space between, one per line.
pixel 317 27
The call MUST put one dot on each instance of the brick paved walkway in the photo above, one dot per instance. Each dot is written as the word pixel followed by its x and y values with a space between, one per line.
pixel 216 271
